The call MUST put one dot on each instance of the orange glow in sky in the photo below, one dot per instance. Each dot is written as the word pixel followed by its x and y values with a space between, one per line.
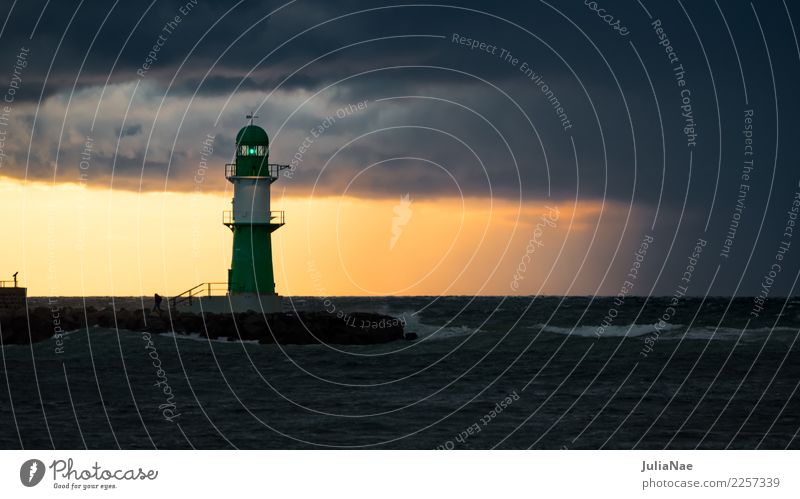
pixel 70 240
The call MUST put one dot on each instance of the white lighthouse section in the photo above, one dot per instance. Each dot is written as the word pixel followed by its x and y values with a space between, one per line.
pixel 251 199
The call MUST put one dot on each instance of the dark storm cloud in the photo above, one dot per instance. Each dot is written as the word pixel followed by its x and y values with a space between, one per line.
pixel 121 48
pixel 110 41
pixel 129 131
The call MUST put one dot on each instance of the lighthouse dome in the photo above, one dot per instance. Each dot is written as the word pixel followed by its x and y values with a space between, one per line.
pixel 252 135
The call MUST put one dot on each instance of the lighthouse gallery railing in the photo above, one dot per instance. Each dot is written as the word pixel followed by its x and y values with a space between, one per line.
pixel 272 170
pixel 275 218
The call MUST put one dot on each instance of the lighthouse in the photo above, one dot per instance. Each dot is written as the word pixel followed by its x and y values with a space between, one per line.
pixel 251 279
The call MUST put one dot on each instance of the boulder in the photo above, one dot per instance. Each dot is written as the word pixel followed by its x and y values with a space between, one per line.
pixel 298 328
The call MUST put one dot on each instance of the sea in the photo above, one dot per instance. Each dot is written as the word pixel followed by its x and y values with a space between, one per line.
pixel 540 372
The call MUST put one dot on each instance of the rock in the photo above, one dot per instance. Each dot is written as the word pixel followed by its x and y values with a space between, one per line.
pixel 5 335
pixel 184 322
pixel 300 328
pixel 105 318
pixel 21 326
pixel 253 327
pixel 155 324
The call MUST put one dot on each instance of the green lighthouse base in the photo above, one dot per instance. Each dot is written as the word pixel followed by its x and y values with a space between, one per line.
pixel 233 303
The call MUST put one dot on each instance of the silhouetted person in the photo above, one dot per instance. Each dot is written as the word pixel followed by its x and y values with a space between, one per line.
pixel 157 306
pixel 15 279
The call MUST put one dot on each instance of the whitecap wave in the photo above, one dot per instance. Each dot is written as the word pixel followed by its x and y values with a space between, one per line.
pixel 204 339
pixel 734 333
pixel 671 332
pixel 430 331
pixel 629 331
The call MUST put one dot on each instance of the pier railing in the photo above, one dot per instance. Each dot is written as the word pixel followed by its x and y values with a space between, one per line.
pixel 203 289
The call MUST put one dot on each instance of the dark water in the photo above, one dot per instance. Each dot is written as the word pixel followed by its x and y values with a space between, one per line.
pixel 705 381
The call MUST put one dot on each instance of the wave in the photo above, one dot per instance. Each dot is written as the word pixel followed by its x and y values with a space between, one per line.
pixel 630 331
pixel 672 332
pixel 733 333
pixel 665 332
pixel 204 339
pixel 431 332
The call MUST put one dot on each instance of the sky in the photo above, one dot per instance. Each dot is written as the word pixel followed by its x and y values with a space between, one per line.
pixel 503 148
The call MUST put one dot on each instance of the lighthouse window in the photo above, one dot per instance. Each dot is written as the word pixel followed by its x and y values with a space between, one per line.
pixel 252 150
